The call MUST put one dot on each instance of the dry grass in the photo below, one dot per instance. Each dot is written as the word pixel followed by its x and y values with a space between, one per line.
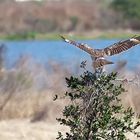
pixel 26 97
pixel 27 91
pixel 24 130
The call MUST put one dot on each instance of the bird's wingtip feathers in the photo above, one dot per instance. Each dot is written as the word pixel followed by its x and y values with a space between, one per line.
pixel 62 37
pixel 137 37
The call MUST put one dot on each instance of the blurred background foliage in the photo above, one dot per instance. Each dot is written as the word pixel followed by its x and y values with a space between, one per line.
pixel 33 20
pixel 130 10
pixel 29 18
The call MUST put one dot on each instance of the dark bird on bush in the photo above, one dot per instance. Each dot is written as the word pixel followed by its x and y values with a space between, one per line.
pixel 98 54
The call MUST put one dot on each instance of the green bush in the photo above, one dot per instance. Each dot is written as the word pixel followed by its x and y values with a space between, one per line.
pixel 95 111
pixel 21 36
pixel 130 11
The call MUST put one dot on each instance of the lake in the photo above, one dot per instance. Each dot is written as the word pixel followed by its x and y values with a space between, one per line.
pixel 62 52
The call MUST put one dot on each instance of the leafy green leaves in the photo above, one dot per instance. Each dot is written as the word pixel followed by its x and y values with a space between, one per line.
pixel 95 111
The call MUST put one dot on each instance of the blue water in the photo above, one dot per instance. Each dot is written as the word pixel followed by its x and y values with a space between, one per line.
pixel 62 52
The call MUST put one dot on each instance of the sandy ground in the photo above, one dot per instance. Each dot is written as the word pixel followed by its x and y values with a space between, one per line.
pixel 24 130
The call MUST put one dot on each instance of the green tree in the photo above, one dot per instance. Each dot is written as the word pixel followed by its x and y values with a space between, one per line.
pixel 95 111
pixel 130 10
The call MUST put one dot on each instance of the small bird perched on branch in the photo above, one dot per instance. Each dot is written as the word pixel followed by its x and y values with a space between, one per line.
pixel 98 55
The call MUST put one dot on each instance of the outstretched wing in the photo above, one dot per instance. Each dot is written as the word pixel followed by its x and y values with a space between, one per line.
pixel 84 47
pixel 121 46
pixel 101 62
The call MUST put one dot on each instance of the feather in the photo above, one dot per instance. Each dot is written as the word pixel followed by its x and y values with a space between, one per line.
pixel 114 49
pixel 101 62
pixel 82 46
pixel 121 46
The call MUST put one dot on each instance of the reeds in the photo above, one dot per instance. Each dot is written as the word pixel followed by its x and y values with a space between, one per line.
pixel 27 90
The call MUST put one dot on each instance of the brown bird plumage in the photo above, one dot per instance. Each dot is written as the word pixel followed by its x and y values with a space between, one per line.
pixel 96 54
pixel 101 62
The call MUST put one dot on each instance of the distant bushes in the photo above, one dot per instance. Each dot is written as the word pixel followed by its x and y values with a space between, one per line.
pixel 44 17
pixel 47 17
pixel 129 10
pixel 21 36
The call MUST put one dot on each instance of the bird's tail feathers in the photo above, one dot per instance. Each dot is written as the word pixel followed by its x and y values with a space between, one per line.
pixel 101 62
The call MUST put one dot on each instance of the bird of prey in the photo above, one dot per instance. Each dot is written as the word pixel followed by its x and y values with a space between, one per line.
pixel 98 55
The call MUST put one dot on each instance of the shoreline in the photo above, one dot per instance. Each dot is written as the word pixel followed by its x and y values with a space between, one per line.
pixel 96 34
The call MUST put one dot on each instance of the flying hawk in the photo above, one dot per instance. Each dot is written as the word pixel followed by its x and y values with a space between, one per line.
pixel 98 55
